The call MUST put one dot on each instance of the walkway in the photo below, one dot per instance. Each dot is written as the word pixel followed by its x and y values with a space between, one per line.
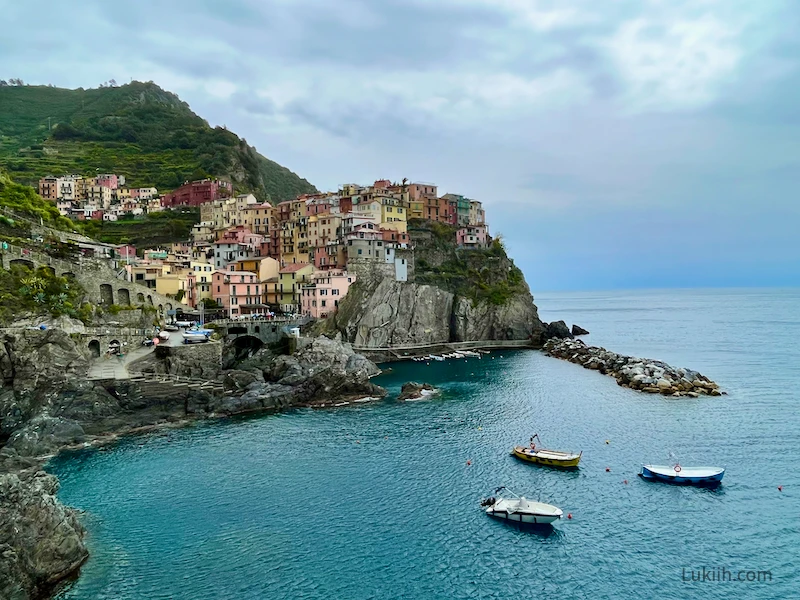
pixel 116 367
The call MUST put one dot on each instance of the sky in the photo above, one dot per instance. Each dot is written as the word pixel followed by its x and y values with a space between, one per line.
pixel 614 144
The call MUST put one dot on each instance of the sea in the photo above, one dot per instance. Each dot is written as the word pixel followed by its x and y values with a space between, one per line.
pixel 381 501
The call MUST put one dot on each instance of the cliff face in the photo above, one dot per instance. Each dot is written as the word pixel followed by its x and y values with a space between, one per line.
pixel 41 540
pixel 459 295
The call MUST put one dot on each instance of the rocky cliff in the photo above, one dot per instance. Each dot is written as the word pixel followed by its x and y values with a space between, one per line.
pixel 458 295
pixel 41 540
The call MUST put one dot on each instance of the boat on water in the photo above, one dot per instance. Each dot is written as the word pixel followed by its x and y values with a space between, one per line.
pixel 548 458
pixel 518 509
pixel 703 476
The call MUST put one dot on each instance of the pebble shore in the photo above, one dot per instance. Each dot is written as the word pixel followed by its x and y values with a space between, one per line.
pixel 651 376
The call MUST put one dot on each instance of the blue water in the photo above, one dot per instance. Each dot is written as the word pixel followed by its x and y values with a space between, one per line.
pixel 378 501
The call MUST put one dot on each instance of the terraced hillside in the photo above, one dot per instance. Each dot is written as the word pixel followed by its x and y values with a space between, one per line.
pixel 138 130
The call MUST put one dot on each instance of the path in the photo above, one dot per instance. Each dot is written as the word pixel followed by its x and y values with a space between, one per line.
pixel 115 367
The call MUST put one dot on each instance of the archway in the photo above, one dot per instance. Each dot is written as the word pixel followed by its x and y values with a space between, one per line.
pixel 94 348
pixel 140 298
pixel 106 294
pixel 150 300
pixel 244 347
pixel 21 262
pixel 68 275
pixel 123 297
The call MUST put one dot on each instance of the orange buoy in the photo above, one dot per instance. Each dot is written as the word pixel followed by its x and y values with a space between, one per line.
pixel 608 470
pixel 469 462
pixel 569 515
pixel 625 481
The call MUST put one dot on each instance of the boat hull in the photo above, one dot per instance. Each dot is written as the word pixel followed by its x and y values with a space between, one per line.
pixel 549 459
pixel 711 478
pixel 527 519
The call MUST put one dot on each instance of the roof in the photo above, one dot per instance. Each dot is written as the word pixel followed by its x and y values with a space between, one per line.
pixel 294 267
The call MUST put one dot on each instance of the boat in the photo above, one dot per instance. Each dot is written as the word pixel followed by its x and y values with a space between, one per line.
pixel 164 335
pixel 708 476
pixel 548 458
pixel 518 509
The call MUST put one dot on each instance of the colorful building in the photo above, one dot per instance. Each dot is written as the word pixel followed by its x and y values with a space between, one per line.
pixel 196 193
pixel 238 292
pixel 321 296
pixel 290 279
pixel 472 236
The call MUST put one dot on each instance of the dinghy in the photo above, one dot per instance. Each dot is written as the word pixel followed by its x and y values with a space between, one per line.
pixel 548 458
pixel 683 475
pixel 512 507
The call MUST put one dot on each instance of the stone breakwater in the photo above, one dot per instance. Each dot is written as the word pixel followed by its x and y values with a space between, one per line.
pixel 651 376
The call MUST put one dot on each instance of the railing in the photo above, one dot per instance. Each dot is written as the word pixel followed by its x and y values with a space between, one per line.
pixel 453 345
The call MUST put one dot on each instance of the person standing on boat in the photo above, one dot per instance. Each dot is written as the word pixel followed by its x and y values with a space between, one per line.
pixel 533 445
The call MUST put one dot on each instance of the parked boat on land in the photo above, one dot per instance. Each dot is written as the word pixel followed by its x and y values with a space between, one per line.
pixel 702 476
pixel 518 509
pixel 548 458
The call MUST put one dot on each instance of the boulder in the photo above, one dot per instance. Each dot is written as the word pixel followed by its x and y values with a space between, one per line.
pixel 44 435
pixel 240 380
pixel 413 390
pixel 557 330
pixel 578 330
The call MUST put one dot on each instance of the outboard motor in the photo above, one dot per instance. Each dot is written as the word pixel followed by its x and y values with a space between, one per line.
pixel 488 501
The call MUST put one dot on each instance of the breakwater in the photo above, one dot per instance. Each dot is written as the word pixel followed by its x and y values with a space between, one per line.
pixel 643 374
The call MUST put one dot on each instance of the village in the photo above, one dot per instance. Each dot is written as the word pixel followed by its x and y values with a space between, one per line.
pixel 249 259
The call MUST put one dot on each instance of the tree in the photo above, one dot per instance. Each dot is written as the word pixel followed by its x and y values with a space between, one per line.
pixel 210 303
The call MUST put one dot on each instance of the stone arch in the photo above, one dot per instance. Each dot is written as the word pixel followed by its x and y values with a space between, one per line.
pixel 94 348
pixel 245 346
pixel 237 330
pixel 106 294
pixel 68 275
pixel 150 300
pixel 140 298
pixel 21 262
pixel 257 329
pixel 123 297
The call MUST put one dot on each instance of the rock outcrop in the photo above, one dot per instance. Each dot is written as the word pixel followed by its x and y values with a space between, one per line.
pixel 395 313
pixel 414 391
pixel 41 540
pixel 557 330
pixel 652 376
pixel 323 373
pixel 578 330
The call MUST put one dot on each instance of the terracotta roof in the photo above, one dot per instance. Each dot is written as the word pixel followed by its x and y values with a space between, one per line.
pixel 292 268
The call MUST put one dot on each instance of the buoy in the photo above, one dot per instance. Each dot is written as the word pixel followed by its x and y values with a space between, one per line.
pixel 386 437
pixel 569 515
pixel 358 441
pixel 608 442
pixel 608 470
pixel 780 488
pixel 480 428
pixel 625 481
pixel 469 462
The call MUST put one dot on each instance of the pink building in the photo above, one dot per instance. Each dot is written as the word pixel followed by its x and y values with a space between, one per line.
pixel 321 298
pixel 238 292
pixel 108 180
pixel 471 236
pixel 127 252
pixel 420 191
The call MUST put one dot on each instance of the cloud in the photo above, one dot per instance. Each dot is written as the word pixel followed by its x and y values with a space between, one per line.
pixel 609 125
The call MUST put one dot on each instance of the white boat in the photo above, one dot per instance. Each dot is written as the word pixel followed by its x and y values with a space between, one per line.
pixel 683 475
pixel 164 335
pixel 190 337
pixel 512 507
pixel 440 358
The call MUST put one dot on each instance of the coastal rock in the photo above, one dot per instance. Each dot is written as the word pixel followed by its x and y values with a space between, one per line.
pixel 578 330
pixel 557 330
pixel 413 390
pixel 41 540
pixel 44 435
pixel 32 359
pixel 396 314
pixel 240 380
pixel 650 376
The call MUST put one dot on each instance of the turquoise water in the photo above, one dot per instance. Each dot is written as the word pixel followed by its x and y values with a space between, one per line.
pixel 378 501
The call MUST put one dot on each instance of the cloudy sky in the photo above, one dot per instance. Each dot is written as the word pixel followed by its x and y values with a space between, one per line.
pixel 615 143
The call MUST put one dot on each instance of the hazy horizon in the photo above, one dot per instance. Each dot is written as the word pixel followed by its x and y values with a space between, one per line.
pixel 641 145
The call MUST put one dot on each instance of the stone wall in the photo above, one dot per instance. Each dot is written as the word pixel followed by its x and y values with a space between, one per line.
pixel 203 361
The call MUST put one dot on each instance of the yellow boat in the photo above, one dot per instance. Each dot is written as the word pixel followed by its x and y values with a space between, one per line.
pixel 548 458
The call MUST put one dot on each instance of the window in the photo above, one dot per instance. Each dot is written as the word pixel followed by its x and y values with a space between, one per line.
pixel 334 292
pixel 323 303
pixel 217 288
pixel 359 250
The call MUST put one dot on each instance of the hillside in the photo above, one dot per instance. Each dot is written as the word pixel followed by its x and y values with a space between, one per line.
pixel 138 130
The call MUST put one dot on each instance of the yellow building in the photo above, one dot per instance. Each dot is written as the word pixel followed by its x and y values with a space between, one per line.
pixel 265 267
pixel 290 279
pixel 257 217
pixel 393 214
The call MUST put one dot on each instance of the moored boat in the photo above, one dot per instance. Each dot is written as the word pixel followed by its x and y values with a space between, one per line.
pixel 677 474
pixel 518 509
pixel 548 458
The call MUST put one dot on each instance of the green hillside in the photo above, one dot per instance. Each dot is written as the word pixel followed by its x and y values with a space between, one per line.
pixel 137 130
